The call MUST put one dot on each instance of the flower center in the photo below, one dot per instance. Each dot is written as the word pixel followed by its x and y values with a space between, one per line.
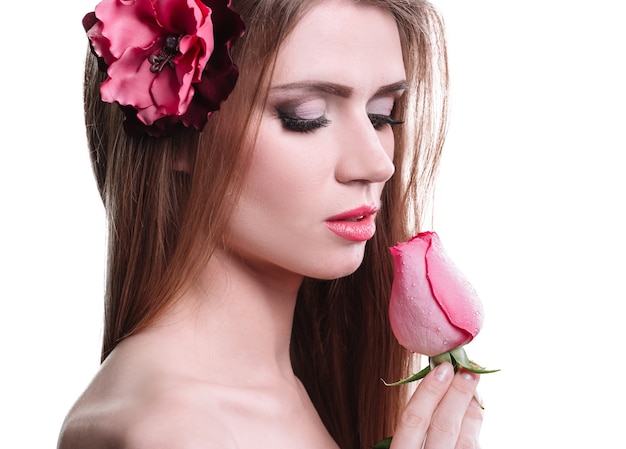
pixel 166 54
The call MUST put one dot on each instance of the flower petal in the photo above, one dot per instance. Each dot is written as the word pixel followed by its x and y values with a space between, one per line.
pixel 128 78
pixel 159 85
pixel 450 287
pixel 417 319
pixel 181 17
pixel 128 24
pixel 99 44
pixel 433 308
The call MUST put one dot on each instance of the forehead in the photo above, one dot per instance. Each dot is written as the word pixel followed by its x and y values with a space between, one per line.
pixel 344 42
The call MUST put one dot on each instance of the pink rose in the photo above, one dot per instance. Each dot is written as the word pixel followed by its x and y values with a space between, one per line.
pixel 433 308
pixel 167 61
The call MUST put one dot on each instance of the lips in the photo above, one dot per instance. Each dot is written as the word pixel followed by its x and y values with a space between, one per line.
pixel 356 225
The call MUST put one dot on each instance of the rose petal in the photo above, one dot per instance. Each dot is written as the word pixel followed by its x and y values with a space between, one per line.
pixel 455 294
pixel 432 307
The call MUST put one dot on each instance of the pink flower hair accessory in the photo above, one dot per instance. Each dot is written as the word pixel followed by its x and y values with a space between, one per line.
pixel 167 61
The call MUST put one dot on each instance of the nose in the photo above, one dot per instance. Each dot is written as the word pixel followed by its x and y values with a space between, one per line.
pixel 366 154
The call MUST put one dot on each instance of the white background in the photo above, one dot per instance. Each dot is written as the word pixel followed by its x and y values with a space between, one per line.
pixel 530 204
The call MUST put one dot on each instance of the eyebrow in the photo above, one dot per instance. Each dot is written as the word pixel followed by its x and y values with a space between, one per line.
pixel 340 90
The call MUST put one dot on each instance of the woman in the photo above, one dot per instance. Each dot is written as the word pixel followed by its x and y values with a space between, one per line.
pixel 248 270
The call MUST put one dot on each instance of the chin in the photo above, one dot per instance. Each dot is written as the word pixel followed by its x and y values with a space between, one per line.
pixel 337 270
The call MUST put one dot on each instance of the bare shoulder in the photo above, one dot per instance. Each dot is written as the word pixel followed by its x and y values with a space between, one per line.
pixel 182 416
pixel 161 415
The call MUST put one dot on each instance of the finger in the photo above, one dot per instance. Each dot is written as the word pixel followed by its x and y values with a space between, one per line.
pixel 416 417
pixel 447 419
pixel 472 423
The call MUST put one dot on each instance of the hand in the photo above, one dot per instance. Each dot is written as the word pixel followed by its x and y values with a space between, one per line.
pixel 442 412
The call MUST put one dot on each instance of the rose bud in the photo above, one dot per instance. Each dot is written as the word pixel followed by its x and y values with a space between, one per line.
pixel 433 309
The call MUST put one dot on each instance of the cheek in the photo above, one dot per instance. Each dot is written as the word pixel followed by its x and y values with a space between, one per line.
pixel 272 171
pixel 288 164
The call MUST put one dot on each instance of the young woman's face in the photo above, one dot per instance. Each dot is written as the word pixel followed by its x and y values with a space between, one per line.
pixel 325 145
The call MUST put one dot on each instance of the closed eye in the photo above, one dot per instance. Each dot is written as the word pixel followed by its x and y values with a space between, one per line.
pixel 301 125
pixel 380 120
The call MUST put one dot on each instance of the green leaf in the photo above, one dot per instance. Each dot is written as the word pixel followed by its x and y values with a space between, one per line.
pixel 413 378
pixel 457 357
pixel 384 444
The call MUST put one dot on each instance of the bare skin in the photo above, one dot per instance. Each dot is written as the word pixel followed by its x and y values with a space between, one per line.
pixel 215 370
pixel 186 382
pixel 442 411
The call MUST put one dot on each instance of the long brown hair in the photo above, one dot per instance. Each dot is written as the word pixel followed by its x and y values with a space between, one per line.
pixel 165 223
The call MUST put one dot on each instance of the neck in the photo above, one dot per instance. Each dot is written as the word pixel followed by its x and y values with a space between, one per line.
pixel 234 325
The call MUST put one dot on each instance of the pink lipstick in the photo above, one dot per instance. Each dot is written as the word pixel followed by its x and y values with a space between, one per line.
pixel 356 225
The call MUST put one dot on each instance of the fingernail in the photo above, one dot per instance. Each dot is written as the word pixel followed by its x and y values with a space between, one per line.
pixel 443 372
pixel 468 375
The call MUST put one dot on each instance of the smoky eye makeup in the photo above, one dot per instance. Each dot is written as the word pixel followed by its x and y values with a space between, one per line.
pixel 301 125
pixel 381 111
pixel 302 117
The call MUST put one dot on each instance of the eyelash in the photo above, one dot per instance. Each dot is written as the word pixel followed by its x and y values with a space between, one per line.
pixel 301 125
pixel 379 120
